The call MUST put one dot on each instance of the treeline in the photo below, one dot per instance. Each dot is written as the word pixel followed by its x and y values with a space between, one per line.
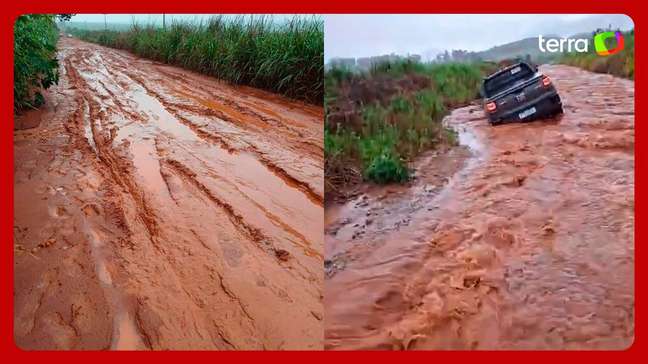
pixel 282 57
pixel 35 63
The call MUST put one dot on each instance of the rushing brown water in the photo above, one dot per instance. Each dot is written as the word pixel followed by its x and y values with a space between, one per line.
pixel 157 208
pixel 529 245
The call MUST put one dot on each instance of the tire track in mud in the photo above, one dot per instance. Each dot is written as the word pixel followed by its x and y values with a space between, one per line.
pixel 240 113
pixel 529 245
pixel 190 177
pixel 204 244
pixel 114 164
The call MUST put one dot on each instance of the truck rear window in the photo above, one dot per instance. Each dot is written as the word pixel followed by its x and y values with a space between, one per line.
pixel 508 78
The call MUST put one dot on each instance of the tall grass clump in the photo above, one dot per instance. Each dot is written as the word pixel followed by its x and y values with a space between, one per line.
pixel 286 57
pixel 619 64
pixel 457 83
pixel 380 120
pixel 35 63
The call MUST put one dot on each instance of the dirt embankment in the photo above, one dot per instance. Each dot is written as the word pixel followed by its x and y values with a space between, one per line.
pixel 529 244
pixel 159 209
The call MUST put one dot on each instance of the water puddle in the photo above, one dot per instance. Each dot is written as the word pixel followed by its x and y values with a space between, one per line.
pixel 161 117
pixel 125 335
pixel 100 264
pixel 147 165
pixel 87 127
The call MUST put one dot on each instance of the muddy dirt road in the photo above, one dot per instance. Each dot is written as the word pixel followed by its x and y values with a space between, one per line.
pixel 529 244
pixel 156 208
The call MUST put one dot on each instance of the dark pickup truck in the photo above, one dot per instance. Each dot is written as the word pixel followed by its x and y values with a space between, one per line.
pixel 519 92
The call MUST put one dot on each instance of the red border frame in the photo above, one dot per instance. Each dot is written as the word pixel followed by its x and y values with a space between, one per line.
pixel 12 10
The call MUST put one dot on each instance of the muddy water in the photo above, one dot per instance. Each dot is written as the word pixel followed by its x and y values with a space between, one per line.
pixel 529 244
pixel 156 208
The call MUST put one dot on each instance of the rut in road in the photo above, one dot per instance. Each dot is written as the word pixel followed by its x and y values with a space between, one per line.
pixel 156 208
pixel 529 245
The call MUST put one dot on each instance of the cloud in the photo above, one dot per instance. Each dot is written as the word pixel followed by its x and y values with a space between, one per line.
pixel 367 35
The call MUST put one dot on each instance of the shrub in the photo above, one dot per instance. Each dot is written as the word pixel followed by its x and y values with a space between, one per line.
pixel 35 63
pixel 386 168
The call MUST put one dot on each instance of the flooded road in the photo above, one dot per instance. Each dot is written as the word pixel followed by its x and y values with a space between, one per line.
pixel 527 242
pixel 156 208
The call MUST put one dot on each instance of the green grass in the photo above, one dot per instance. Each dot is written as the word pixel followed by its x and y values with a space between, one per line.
pixel 35 63
pixel 457 83
pixel 286 58
pixel 620 64
pixel 394 132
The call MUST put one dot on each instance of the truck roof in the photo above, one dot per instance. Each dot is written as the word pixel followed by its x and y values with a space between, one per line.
pixel 507 68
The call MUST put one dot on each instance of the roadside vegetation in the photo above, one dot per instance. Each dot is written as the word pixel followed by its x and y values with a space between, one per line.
pixel 286 58
pixel 380 120
pixel 35 63
pixel 620 64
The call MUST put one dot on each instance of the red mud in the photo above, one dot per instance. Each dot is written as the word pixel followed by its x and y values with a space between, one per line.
pixel 528 245
pixel 156 208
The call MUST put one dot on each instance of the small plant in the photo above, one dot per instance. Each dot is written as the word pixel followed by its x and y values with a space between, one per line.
pixel 386 168
pixel 380 158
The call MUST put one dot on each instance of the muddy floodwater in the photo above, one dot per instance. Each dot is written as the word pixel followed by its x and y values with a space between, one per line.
pixel 156 208
pixel 525 241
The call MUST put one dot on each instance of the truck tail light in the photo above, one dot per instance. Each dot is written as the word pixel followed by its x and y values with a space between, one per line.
pixel 546 81
pixel 491 106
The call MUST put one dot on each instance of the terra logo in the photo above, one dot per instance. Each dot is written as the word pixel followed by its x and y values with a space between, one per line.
pixel 600 46
pixel 581 45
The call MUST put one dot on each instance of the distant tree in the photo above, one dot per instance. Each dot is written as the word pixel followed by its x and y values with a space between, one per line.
pixel 64 17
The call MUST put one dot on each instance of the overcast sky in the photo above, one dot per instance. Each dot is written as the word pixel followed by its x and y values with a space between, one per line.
pixel 370 35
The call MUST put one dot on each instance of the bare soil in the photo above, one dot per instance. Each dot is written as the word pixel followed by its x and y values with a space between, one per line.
pixel 156 208
pixel 527 242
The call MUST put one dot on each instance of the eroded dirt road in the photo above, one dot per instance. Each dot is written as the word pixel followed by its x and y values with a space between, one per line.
pixel 157 208
pixel 529 245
